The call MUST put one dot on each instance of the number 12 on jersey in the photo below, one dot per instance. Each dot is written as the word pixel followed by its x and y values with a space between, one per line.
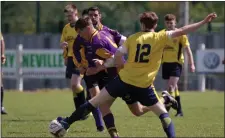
pixel 142 53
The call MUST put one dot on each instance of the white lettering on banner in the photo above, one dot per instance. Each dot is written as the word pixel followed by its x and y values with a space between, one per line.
pixel 210 60
pixel 36 64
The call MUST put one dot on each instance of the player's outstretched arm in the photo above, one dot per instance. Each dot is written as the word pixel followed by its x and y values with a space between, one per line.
pixel 192 27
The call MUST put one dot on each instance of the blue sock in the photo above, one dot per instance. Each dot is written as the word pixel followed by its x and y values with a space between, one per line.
pixel 98 117
pixel 83 110
pixel 167 125
pixel 110 125
pixel 109 121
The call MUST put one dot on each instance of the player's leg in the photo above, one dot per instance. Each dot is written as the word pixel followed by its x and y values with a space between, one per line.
pixel 97 112
pixel 2 97
pixel 75 80
pixel 103 79
pixel 102 98
pixel 175 74
pixel 93 90
pixel 115 88
pixel 105 112
pixel 177 97
pixel 138 109
pixel 166 75
pixel 148 97
pixel 171 86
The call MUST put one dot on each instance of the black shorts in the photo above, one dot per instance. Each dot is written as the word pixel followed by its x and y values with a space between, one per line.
pixel 100 79
pixel 131 94
pixel 171 70
pixel 71 68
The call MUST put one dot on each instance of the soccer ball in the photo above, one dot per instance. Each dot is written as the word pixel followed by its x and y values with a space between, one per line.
pixel 56 129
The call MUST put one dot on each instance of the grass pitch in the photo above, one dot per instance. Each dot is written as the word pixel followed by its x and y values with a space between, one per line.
pixel 30 114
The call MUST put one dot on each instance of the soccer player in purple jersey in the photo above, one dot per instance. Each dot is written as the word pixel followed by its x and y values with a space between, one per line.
pixel 97 45
pixel 113 35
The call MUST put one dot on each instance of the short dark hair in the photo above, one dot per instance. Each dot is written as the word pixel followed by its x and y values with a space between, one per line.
pixel 70 8
pixel 95 8
pixel 83 22
pixel 85 12
pixel 170 17
pixel 149 19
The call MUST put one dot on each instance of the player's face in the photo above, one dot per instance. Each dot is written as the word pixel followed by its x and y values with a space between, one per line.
pixel 72 16
pixel 83 32
pixel 170 25
pixel 95 17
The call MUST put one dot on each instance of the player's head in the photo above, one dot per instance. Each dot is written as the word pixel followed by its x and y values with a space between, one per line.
pixel 170 21
pixel 148 21
pixel 95 15
pixel 85 12
pixel 84 26
pixel 71 13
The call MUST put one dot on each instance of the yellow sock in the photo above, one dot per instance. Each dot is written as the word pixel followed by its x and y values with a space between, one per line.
pixel 177 93
pixel 172 93
pixel 78 90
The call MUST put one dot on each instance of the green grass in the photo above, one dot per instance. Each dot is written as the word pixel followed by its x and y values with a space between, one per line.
pixel 30 114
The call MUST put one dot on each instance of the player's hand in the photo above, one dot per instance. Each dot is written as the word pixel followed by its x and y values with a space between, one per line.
pixel 64 45
pixel 3 59
pixel 223 61
pixel 210 17
pixel 119 63
pixel 192 68
pixel 65 61
pixel 98 62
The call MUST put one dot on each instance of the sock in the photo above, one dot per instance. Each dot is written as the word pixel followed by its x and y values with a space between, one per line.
pixel 75 101
pixel 83 110
pixel 110 125
pixel 167 125
pixel 179 109
pixel 98 117
pixel 177 93
pixel 2 96
pixel 172 93
pixel 79 97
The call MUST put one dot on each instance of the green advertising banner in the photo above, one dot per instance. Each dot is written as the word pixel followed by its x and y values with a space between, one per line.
pixel 35 64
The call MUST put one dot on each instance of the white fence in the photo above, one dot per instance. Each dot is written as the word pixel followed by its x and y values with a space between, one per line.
pixel 36 64
pixel 48 64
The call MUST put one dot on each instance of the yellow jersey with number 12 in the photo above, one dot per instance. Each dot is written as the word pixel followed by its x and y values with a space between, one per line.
pixel 145 51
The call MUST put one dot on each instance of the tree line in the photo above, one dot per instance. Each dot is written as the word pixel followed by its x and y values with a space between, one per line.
pixel 23 17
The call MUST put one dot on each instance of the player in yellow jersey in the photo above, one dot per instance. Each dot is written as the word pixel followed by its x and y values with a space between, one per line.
pixel 173 60
pixel 3 59
pixel 67 39
pixel 136 78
